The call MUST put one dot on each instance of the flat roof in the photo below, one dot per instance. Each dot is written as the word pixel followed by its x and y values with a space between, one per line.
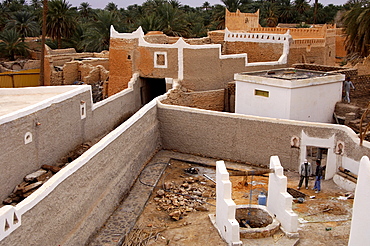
pixel 289 77
pixel 289 74
pixel 11 103
pixel 17 102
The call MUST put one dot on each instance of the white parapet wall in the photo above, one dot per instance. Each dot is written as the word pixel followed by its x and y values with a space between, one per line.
pixel 360 226
pixel 262 38
pixel 226 223
pixel 279 201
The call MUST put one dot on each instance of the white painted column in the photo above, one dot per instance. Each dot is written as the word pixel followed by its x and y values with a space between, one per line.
pixel 360 226
pixel 226 223
pixel 279 201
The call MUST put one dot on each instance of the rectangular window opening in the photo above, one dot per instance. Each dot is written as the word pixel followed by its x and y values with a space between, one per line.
pixel 261 93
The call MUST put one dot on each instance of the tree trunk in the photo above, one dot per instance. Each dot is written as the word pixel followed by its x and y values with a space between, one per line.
pixel 315 12
pixel 42 70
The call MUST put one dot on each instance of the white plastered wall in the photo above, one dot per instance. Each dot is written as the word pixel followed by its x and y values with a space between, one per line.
pixel 360 226
pixel 277 105
pixel 279 201
pixel 226 223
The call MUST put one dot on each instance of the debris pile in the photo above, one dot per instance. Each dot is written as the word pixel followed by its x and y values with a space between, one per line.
pixel 33 181
pixel 30 184
pixel 179 199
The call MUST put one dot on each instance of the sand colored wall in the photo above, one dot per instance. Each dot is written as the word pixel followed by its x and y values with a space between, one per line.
pixel 297 33
pixel 363 67
pixel 313 52
pixel 83 195
pixel 246 138
pixel 144 62
pixel 204 70
pixel 216 37
pixel 319 44
pixel 121 59
pixel 257 52
pixel 197 67
pixel 70 71
pixel 241 21
pixel 340 50
pixel 210 100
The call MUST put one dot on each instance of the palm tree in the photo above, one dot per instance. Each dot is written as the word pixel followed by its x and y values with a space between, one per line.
pixel 232 5
pixel 286 11
pixel 172 20
pixel 150 23
pixel 111 7
pixel 60 21
pixel 36 4
pixel 356 26
pixel 218 17
pixel 206 6
pixel 269 14
pixel 85 10
pixel 301 6
pixel 315 12
pixel 24 22
pixel 96 37
pixel 195 25
pixel 11 44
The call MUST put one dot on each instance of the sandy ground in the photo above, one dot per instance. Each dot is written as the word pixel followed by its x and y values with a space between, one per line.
pixel 324 218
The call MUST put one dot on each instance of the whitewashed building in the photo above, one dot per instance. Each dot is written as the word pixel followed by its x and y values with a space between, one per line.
pixel 293 94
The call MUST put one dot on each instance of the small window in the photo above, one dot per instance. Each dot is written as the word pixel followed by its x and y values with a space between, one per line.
pixel 160 59
pixel 261 93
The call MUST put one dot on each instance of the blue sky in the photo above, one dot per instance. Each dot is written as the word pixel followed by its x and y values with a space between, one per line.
pixel 194 3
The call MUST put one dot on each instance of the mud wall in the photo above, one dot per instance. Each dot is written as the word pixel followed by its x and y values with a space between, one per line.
pixel 205 70
pixel 210 100
pixel 61 129
pixel 257 52
pixel 58 133
pixel 246 138
pixel 88 189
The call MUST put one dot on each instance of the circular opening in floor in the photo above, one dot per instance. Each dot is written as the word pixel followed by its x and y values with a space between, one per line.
pixel 255 221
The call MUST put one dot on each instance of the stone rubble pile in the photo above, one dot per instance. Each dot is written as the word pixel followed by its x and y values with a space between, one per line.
pixel 193 194
pixel 30 184
pixel 33 181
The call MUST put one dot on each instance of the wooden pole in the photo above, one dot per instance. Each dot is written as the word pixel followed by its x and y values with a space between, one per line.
pixel 42 70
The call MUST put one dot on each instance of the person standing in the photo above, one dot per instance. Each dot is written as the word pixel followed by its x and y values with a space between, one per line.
pixel 305 173
pixel 318 174
pixel 347 88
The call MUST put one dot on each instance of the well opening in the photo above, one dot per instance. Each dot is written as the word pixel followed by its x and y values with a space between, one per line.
pixel 255 221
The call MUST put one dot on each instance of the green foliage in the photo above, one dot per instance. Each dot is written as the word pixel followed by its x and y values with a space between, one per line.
pixel 24 23
pixel 60 20
pixel 172 20
pixel 11 44
pixel 232 5
pixel 356 26
pixel 96 37
pixel 87 29
pixel 85 12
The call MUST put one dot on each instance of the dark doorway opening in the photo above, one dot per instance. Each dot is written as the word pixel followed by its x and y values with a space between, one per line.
pixel 314 153
pixel 151 88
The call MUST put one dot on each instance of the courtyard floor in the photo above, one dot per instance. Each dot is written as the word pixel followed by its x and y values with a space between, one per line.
pixel 168 205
